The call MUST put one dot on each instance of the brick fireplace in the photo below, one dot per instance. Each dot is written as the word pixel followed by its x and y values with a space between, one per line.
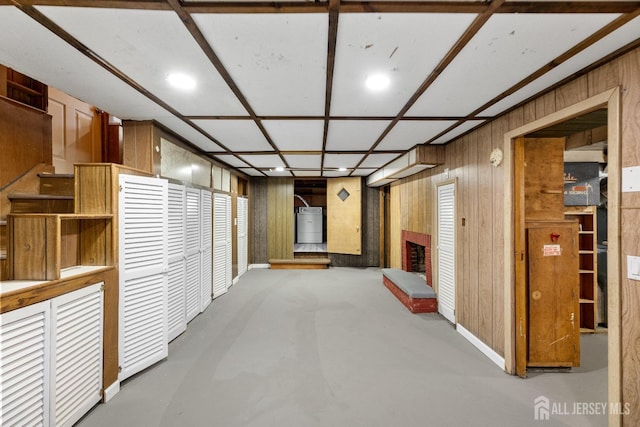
pixel 412 243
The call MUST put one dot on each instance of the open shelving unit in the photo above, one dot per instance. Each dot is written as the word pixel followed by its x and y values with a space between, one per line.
pixel 587 240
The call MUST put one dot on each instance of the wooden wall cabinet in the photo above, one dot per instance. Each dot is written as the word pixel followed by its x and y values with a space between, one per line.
pixel 41 246
pixel 588 248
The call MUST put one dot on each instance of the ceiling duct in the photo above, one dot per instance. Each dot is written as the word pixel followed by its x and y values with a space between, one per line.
pixel 415 160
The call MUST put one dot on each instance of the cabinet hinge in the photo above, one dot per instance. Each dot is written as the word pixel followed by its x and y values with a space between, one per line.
pixel 120 188
pixel 102 288
pixel 119 369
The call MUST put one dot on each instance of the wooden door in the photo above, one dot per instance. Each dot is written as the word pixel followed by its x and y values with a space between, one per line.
pixel 344 215
pixel 553 293
pixel 76 136
pixel 538 196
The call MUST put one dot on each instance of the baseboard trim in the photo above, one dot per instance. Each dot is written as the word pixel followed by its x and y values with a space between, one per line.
pixel 252 266
pixel 485 349
pixel 111 391
pixel 235 280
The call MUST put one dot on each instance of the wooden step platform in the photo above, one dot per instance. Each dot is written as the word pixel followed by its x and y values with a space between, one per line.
pixel 56 184
pixel 40 203
pixel 411 290
pixel 300 264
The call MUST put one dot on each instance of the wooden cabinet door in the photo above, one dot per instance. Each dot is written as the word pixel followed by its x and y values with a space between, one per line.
pixel 554 305
pixel 76 134
pixel 344 215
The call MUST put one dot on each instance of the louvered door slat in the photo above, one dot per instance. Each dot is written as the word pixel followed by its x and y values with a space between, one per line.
pixel 193 260
pixel 143 226
pixel 242 235
pixel 206 247
pixel 176 253
pixel 77 353
pixel 446 251
pixel 25 387
pixel 228 261
pixel 193 285
pixel 221 227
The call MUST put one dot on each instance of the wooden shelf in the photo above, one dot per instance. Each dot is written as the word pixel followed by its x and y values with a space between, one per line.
pixel 588 261
pixel 41 246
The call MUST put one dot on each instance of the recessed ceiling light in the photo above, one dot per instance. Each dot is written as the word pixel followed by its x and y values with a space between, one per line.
pixel 279 169
pixel 342 169
pixel 181 81
pixel 377 82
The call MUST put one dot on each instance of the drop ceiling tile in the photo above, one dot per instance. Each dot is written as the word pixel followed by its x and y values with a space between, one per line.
pixel 137 42
pixel 52 61
pixel 378 160
pixel 363 172
pixel 263 160
pixel 408 133
pixel 335 174
pixel 354 135
pixel 237 135
pixel 302 161
pixel 190 134
pixel 508 48
pixel 307 173
pixel 341 160
pixel 231 160
pixel 276 173
pixel 400 45
pixel 251 172
pixel 295 135
pixel 469 124
pixel 614 41
pixel 277 60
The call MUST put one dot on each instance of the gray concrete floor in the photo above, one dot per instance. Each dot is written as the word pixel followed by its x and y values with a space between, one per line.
pixel 335 348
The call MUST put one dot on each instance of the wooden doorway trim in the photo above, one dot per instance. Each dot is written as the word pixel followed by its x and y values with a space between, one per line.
pixel 610 100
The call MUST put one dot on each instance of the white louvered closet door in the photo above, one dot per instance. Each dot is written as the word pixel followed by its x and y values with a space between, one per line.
pixel 446 252
pixel 143 282
pixel 193 253
pixel 243 213
pixel 206 249
pixel 25 338
pixel 176 278
pixel 76 368
pixel 220 244
pixel 229 259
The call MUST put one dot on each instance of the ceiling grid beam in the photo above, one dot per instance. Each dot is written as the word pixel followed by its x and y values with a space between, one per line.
pixel 592 39
pixel 469 33
pixel 43 20
pixel 334 15
pixel 195 32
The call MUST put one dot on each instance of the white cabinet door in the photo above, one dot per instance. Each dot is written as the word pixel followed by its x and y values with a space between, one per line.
pixel 76 368
pixel 229 259
pixel 221 244
pixel 243 213
pixel 25 339
pixel 206 248
pixel 176 277
pixel 193 253
pixel 446 248
pixel 143 282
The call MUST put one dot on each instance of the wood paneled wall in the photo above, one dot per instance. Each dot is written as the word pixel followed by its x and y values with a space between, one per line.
pixel 370 256
pixel 25 139
pixel 280 218
pixel 258 227
pixel 480 201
